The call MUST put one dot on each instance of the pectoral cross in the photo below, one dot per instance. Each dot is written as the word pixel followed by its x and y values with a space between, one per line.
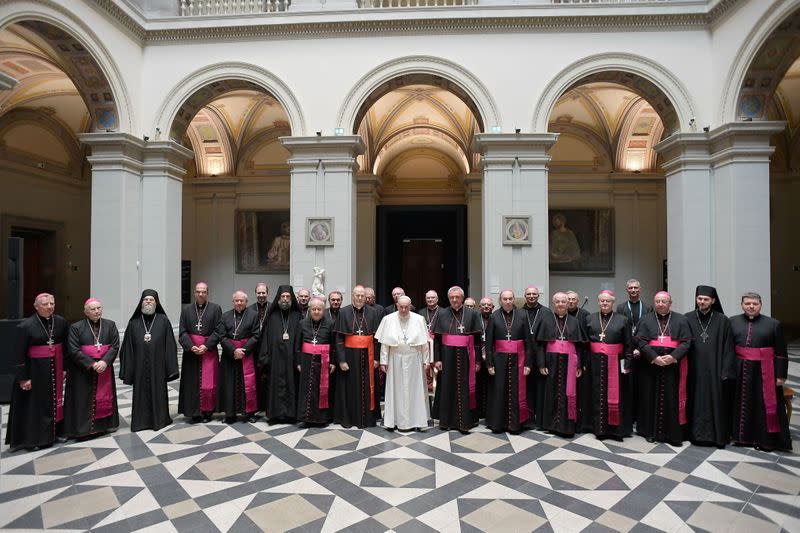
pixel 359 331
pixel 314 341
pixel 508 336
pixel 661 339
pixel 704 336
pixel 198 326
pixel 97 345
pixel 50 342
pixel 602 337
pixel 461 328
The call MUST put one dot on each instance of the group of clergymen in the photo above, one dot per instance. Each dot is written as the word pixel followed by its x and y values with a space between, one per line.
pixel 699 376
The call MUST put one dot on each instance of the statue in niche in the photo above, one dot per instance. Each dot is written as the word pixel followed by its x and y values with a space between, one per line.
pixel 318 285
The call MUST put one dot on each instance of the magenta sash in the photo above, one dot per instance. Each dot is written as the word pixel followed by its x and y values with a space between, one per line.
pixel 612 353
pixel 517 347
pixel 55 351
pixel 667 342
pixel 764 356
pixel 465 341
pixel 103 405
pixel 568 347
pixel 324 352
pixel 249 376
pixel 208 375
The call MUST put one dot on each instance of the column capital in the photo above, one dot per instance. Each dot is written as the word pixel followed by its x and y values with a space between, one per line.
pixel 684 151
pixel 743 141
pixel 165 159
pixel 531 148
pixel 367 185
pixel 114 151
pixel 327 148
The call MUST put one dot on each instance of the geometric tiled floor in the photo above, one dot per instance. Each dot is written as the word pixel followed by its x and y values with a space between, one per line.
pixel 249 477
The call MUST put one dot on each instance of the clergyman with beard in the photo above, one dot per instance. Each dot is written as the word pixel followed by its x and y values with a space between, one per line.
pixel 148 359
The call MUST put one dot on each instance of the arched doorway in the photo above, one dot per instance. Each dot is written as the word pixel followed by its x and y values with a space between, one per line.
pixel 418 131
pixel 236 192
pixel 56 90
pixel 606 190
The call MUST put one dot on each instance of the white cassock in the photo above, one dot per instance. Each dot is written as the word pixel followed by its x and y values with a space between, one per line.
pixel 404 350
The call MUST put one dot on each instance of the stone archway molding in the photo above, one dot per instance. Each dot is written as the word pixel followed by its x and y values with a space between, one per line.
pixel 230 71
pixel 54 14
pixel 410 65
pixel 646 68
pixel 761 31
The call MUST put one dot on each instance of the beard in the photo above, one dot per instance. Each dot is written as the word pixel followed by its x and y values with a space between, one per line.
pixel 284 305
pixel 148 309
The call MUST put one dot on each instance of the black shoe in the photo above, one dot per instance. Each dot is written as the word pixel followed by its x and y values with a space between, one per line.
pixel 61 440
pixel 207 417
pixel 230 419
pixel 650 439
pixel 252 419
pixel 195 419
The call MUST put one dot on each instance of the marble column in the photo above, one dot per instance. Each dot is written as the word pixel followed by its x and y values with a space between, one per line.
pixel 323 186
pixel 514 184
pixel 740 154
pixel 687 167
pixel 116 161
pixel 367 194
pixel 136 221
pixel 162 208
pixel 472 187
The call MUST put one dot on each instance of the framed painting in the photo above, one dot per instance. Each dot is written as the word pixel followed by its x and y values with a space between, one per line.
pixel 262 241
pixel 516 230
pixel 582 240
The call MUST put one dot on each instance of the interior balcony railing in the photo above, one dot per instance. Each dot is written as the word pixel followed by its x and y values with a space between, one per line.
pixel 194 8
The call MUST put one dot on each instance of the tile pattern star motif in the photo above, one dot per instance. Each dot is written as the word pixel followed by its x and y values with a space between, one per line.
pixel 250 477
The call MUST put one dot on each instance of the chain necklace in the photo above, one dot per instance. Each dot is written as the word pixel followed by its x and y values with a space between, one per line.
pixel 528 317
pixel 704 330
pixel 99 333
pixel 314 332
pixel 561 331
pixel 404 330
pixel 285 324
pixel 48 332
pixel 429 319
pixel 199 325
pixel 509 325
pixel 662 333
pixel 147 336
pixel 604 328
pixel 360 321
pixel 459 322
pixel 236 324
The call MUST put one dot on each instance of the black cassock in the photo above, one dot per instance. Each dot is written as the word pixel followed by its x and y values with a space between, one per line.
pixel 90 403
pixel 750 424
pixel 148 366
pixel 585 384
pixel 261 311
pixel 190 393
pixel 35 417
pixel 238 390
pixel 634 312
pixel 278 348
pixel 535 379
pixel 353 405
pixel 507 409
pixel 482 381
pixel 560 414
pixel 605 369
pixel 711 371
pixel 314 375
pixel 661 407
pixel 451 404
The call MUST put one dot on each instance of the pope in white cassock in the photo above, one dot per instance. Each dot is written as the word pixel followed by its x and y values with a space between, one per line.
pixel 404 355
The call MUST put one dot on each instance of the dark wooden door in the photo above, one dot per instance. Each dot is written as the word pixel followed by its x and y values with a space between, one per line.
pixel 423 261
pixel 39 263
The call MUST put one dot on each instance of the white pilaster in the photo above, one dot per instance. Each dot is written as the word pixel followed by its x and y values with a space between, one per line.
pixel 690 208
pixel 116 161
pixel 472 185
pixel 740 160
pixel 162 216
pixel 367 224
pixel 323 185
pixel 514 183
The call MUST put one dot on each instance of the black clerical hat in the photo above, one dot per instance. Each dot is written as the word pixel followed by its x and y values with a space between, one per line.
pixel 274 305
pixel 148 292
pixel 708 290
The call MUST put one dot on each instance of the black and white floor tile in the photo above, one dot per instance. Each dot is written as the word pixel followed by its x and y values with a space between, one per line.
pixel 250 477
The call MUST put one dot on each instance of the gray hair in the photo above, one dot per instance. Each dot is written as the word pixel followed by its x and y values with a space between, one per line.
pixel 455 288
pixel 751 295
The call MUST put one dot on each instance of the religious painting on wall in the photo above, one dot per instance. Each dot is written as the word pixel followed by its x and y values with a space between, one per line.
pixel 319 232
pixel 516 231
pixel 262 241
pixel 582 240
